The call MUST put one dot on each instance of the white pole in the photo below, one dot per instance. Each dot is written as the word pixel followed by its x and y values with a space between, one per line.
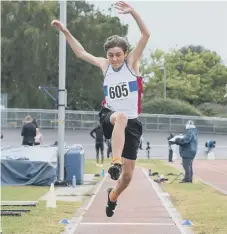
pixel 61 91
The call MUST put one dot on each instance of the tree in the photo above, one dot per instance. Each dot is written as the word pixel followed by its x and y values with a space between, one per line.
pixel 193 74
pixel 27 53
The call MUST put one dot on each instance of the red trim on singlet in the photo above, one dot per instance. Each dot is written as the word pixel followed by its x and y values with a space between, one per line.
pixel 103 103
pixel 140 92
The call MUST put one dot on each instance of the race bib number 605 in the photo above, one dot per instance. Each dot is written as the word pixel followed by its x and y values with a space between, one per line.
pixel 119 91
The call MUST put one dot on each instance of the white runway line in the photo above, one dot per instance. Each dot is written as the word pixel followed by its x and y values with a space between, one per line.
pixel 128 224
pixel 80 218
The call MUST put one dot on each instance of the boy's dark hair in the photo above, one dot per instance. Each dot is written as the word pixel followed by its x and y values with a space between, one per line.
pixel 116 41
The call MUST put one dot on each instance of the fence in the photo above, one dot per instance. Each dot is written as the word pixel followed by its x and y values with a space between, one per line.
pixel 48 119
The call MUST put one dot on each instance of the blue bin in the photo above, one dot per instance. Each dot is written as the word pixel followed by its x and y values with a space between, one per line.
pixel 74 165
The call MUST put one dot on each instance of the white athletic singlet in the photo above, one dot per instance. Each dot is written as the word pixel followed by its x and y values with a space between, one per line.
pixel 123 91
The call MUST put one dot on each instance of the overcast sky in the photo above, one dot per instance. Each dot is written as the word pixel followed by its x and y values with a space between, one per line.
pixel 179 23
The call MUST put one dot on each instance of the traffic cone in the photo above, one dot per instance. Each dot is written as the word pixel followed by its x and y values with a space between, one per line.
pixel 51 197
pixel 187 222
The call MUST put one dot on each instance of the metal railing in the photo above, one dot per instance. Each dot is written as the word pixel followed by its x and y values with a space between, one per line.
pixel 48 119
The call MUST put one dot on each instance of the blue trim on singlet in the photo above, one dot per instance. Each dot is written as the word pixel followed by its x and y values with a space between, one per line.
pixel 105 90
pixel 133 86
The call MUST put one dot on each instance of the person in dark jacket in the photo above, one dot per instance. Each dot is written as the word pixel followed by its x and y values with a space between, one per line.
pixel 28 132
pixel 99 142
pixel 210 145
pixel 170 148
pixel 188 148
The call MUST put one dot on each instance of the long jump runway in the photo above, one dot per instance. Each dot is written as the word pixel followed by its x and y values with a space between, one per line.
pixel 140 210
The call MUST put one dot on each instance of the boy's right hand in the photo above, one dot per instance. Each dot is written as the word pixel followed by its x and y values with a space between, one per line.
pixel 58 25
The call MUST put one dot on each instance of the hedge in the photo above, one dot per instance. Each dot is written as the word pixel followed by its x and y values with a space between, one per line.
pixel 169 106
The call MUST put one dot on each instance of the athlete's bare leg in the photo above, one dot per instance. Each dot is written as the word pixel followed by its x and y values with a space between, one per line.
pixel 125 178
pixel 122 184
pixel 119 120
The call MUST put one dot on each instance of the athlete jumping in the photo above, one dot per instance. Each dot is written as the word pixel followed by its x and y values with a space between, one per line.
pixel 122 106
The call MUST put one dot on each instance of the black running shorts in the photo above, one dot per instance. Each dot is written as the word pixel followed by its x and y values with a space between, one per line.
pixel 99 146
pixel 133 132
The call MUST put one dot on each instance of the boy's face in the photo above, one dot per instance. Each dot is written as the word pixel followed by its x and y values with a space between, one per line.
pixel 116 57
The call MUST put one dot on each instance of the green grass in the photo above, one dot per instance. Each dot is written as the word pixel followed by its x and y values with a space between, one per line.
pixel 203 205
pixel 22 193
pixel 40 219
pixel 91 168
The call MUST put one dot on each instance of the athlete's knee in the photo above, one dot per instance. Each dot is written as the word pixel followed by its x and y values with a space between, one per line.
pixel 121 118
